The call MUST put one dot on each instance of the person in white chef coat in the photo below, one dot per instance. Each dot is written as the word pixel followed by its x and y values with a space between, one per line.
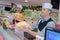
pixel 45 21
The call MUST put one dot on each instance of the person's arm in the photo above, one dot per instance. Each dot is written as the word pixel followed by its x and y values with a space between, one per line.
pixel 32 33
pixel 28 30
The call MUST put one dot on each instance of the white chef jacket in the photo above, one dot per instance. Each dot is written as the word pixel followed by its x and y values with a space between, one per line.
pixel 49 24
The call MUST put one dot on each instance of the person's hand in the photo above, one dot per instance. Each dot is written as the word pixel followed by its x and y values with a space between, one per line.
pixel 25 28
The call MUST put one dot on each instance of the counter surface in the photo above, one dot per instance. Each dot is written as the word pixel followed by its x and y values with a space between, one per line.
pixel 8 34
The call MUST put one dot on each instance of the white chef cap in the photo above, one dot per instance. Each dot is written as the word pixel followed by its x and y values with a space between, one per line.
pixel 47 5
pixel 19 5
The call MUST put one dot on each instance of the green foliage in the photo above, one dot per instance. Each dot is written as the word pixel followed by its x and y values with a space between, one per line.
pixel 13 6
pixel 32 8
pixel 27 13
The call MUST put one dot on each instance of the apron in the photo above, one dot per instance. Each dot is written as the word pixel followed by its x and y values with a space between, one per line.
pixel 42 26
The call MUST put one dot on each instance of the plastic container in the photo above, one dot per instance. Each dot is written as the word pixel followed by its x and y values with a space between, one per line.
pixel 19 33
